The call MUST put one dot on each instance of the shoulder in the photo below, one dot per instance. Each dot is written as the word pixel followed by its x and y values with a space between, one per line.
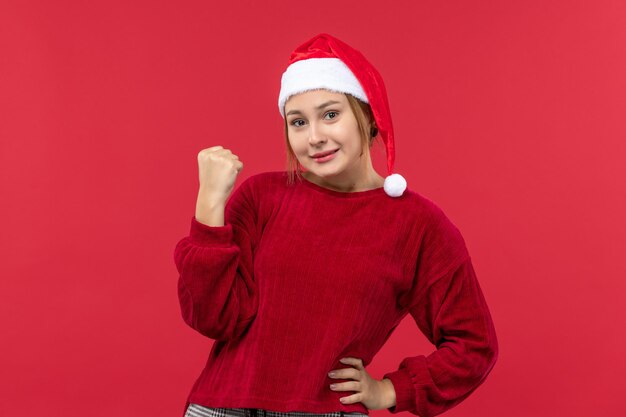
pixel 440 239
pixel 260 182
pixel 264 179
pixel 427 209
pixel 260 190
pixel 422 210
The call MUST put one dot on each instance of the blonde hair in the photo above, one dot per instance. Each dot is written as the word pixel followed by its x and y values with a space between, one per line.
pixel 363 114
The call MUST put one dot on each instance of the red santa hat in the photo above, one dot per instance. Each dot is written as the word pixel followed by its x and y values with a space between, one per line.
pixel 327 62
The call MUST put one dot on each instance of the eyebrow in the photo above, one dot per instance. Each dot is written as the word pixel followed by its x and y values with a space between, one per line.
pixel 321 106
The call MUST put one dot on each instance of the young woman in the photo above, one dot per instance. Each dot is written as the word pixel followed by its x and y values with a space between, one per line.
pixel 302 275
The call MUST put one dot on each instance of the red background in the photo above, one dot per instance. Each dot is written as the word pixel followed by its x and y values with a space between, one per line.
pixel 508 114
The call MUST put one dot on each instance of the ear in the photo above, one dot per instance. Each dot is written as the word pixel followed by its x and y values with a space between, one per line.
pixel 373 125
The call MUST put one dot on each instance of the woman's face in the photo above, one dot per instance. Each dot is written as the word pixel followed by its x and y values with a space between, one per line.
pixel 320 121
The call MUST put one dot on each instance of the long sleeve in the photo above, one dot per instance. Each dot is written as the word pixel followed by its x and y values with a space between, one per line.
pixel 217 292
pixel 450 310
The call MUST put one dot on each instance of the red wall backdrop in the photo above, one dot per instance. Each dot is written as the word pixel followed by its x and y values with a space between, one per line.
pixel 508 114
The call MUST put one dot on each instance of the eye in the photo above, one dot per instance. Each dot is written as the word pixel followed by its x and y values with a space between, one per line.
pixel 332 112
pixel 293 123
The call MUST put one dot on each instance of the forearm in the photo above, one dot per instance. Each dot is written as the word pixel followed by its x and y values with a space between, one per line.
pixel 210 210
pixel 455 318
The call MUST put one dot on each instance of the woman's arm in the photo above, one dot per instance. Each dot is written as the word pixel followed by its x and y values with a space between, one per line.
pixel 217 292
pixel 449 308
pixel 455 318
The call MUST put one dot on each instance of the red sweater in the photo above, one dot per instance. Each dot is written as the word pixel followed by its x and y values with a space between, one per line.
pixel 301 276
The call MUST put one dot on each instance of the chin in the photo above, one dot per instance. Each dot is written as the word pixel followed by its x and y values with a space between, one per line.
pixel 323 173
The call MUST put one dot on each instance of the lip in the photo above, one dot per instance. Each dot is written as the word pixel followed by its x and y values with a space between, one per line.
pixel 320 154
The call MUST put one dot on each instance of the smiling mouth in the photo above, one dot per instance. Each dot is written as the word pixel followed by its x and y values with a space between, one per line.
pixel 325 154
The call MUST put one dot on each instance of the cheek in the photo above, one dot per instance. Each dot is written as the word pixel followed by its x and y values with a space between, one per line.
pixel 351 140
pixel 350 134
pixel 297 144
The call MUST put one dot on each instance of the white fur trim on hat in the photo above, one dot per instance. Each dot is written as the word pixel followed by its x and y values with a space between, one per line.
pixel 315 73
pixel 394 185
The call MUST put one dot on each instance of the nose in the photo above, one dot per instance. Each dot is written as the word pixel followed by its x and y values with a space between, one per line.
pixel 316 134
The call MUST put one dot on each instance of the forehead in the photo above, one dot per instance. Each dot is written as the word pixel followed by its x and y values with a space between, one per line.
pixel 312 98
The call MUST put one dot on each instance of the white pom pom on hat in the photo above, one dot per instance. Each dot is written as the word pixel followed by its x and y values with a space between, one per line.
pixel 395 184
pixel 327 62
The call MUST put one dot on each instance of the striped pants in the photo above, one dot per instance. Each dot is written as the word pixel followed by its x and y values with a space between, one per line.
pixel 196 410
